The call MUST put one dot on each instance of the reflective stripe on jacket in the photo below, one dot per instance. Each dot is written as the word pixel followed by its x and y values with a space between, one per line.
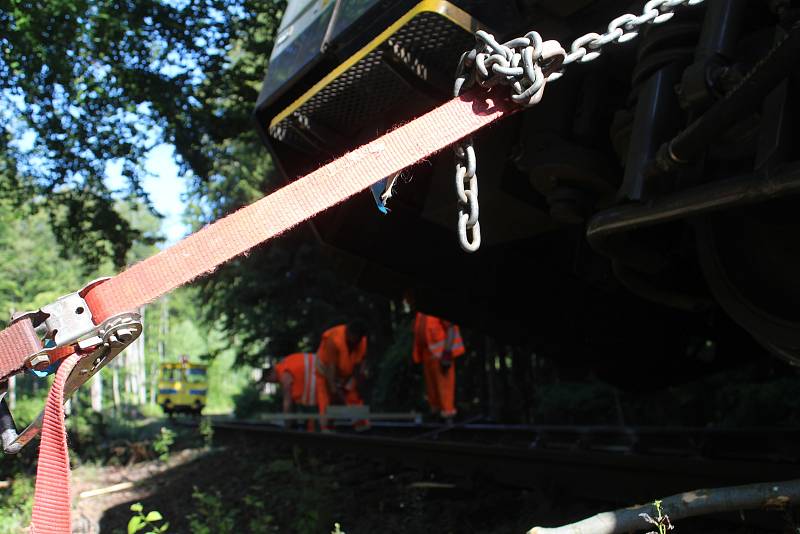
pixel 433 337
pixel 301 366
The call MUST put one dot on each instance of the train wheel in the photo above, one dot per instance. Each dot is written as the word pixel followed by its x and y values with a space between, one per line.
pixel 750 260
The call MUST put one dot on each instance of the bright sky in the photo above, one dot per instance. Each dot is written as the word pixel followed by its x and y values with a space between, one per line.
pixel 166 189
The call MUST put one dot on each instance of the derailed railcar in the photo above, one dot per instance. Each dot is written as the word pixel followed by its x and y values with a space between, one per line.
pixel 642 212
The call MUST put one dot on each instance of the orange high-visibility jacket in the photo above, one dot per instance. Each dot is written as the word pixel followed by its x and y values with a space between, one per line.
pixel 301 366
pixel 433 337
pixel 333 351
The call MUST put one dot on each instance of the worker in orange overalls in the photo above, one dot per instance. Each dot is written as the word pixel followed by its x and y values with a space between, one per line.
pixel 296 373
pixel 437 343
pixel 341 361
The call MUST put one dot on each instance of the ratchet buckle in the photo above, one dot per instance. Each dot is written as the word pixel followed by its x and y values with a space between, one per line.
pixel 65 327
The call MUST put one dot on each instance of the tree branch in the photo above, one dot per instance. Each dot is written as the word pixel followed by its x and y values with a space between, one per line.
pixel 772 495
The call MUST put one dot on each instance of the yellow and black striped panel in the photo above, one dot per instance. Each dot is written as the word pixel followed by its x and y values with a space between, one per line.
pixel 427 40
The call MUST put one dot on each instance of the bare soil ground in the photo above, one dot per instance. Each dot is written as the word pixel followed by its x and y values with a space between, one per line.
pixel 255 486
pixel 89 511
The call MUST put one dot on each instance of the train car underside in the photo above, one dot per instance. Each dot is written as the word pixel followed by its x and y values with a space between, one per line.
pixel 598 248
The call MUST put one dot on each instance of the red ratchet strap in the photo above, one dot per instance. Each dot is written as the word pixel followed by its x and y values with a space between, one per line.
pixel 329 185
pixel 17 342
pixel 204 251
pixel 52 511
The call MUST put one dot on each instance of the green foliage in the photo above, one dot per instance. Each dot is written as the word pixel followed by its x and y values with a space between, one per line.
pixel 163 442
pixel 93 82
pixel 249 402
pixel 16 503
pixel 212 516
pixel 398 382
pixel 88 432
pixel 141 521
pixel 206 431
pixel 260 522
pixel 32 273
pixel 661 521
pixel 575 403
pixel 280 298
pixel 152 410
pixel 173 326
pixel 28 406
pixel 226 380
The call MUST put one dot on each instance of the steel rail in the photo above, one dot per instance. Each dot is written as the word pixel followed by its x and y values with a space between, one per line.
pixel 594 474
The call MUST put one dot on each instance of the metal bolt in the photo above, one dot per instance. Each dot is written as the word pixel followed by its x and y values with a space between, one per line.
pixel 40 362
pixel 124 334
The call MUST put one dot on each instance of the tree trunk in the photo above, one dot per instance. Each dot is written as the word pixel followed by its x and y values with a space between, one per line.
pixel 772 495
pixel 481 373
pixel 137 370
pixel 143 369
pixel 115 388
pixel 11 398
pixel 126 397
pixel 491 378
pixel 153 382
pixel 618 408
pixel 163 331
pixel 97 392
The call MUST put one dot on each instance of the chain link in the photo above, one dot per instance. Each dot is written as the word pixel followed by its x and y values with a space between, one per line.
pixel 526 64
pixel 622 29
pixel 467 192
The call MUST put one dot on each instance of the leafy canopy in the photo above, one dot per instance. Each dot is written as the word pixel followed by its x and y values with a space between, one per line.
pixel 83 84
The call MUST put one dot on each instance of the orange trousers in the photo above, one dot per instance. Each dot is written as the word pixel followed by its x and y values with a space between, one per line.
pixel 440 387
pixel 351 396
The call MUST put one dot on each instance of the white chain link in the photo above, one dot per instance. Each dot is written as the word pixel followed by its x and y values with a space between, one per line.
pixel 523 64
pixel 622 29
pixel 526 64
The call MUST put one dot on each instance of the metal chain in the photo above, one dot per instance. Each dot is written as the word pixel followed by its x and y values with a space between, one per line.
pixel 526 64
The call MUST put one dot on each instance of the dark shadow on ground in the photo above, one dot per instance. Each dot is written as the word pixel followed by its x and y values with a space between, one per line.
pixel 250 485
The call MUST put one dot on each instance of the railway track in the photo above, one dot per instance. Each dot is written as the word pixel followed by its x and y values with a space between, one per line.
pixel 616 464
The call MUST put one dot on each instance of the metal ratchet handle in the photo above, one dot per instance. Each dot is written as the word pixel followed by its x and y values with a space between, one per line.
pixel 113 336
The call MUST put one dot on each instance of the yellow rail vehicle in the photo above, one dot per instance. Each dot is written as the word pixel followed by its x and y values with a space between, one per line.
pixel 182 387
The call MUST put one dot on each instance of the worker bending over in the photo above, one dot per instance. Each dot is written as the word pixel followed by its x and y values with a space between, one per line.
pixel 437 343
pixel 341 362
pixel 296 373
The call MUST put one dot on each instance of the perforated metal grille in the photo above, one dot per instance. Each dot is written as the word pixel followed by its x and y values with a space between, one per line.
pixel 357 96
pixel 362 94
pixel 432 42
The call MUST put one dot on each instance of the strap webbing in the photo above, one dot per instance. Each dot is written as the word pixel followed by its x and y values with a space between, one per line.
pixel 17 342
pixel 204 251
pixel 51 500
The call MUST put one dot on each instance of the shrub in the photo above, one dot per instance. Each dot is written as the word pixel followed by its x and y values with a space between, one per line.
pixel 212 516
pixel 398 382
pixel 141 521
pixel 15 505
pixel 249 402
pixel 27 408
pixel 163 442
pixel 152 410
pixel 206 431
